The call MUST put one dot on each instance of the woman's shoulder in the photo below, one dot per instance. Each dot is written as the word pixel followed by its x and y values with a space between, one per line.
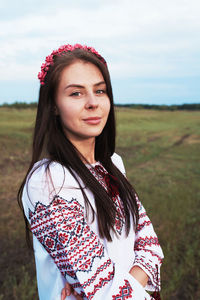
pixel 46 180
pixel 41 168
pixel 118 162
pixel 52 172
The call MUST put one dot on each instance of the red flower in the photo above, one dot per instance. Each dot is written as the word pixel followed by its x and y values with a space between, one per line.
pixel 65 48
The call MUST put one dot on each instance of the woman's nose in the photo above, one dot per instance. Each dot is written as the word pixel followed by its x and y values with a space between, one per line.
pixel 92 101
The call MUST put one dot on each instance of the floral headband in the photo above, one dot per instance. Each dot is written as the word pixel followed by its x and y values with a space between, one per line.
pixel 65 48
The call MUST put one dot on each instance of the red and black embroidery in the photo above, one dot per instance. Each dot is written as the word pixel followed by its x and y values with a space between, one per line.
pixel 110 184
pixel 144 247
pixel 125 292
pixel 64 233
pixel 62 230
pixel 146 241
pixel 143 224
pixel 152 269
pixel 153 255
pixel 142 215
pixel 77 251
pixel 102 282
pixel 99 270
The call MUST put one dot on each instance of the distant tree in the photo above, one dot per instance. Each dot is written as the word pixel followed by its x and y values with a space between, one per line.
pixel 192 106
pixel 20 105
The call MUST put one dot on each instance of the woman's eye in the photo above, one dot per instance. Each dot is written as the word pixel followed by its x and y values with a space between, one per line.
pixel 75 94
pixel 100 91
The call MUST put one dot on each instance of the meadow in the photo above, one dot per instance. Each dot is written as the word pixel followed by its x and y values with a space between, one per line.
pixel 161 152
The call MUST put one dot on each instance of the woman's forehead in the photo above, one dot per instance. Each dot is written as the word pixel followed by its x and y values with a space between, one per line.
pixel 81 73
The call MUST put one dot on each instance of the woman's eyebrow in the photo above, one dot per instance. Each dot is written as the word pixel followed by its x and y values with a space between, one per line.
pixel 99 83
pixel 81 86
pixel 74 85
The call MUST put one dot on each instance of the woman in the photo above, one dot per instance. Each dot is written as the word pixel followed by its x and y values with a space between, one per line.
pixel 91 236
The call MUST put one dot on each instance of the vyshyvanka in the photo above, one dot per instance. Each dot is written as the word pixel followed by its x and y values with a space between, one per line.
pixel 67 245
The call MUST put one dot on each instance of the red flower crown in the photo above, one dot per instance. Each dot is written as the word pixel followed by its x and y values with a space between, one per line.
pixel 65 48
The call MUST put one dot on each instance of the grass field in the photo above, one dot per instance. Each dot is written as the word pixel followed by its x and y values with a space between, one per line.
pixel 161 151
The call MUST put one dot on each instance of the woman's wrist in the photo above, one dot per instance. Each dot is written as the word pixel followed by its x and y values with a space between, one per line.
pixel 139 275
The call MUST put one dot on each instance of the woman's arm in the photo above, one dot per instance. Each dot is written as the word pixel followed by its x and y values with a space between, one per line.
pixel 78 253
pixel 139 275
pixel 148 253
pixel 136 272
pixel 60 227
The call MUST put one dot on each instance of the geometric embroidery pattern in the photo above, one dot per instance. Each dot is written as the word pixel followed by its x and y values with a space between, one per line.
pixel 160 260
pixel 145 223
pixel 61 228
pixel 146 241
pixel 125 292
pixel 105 179
pixel 152 270
pixel 143 244
pixel 102 282
pixel 64 233
pixel 98 271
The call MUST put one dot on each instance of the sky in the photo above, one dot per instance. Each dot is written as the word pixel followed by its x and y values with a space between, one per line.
pixel 152 47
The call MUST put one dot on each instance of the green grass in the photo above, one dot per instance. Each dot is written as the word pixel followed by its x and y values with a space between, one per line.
pixel 160 150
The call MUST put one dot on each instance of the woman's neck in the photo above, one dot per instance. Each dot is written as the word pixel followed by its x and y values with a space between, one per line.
pixel 86 148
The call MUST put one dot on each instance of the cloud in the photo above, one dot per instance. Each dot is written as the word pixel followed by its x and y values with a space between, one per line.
pixel 138 38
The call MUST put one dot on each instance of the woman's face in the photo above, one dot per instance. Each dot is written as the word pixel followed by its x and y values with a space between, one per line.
pixel 82 101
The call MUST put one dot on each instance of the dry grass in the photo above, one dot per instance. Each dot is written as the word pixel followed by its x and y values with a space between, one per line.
pixel 161 153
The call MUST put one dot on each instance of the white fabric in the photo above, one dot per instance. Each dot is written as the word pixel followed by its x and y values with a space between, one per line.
pixel 42 189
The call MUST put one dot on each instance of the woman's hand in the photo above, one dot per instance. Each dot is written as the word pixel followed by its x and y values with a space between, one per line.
pixel 68 290
pixel 139 275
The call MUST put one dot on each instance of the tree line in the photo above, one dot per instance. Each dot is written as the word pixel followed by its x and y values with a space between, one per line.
pixel 191 106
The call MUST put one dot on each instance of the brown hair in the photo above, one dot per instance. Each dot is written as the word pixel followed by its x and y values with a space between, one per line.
pixel 49 139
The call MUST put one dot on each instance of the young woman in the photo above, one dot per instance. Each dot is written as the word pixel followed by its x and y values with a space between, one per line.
pixel 92 238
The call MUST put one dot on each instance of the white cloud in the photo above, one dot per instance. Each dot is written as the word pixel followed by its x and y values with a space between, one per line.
pixel 138 38
pixel 18 71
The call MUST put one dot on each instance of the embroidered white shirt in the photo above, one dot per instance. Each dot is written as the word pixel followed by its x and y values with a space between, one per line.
pixel 67 245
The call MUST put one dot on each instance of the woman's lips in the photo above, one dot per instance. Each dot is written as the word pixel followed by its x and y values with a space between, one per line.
pixel 92 120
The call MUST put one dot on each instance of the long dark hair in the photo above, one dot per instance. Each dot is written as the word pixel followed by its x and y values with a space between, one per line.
pixel 50 141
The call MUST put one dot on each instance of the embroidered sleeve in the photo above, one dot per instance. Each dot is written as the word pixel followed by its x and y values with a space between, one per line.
pixel 79 254
pixel 148 253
